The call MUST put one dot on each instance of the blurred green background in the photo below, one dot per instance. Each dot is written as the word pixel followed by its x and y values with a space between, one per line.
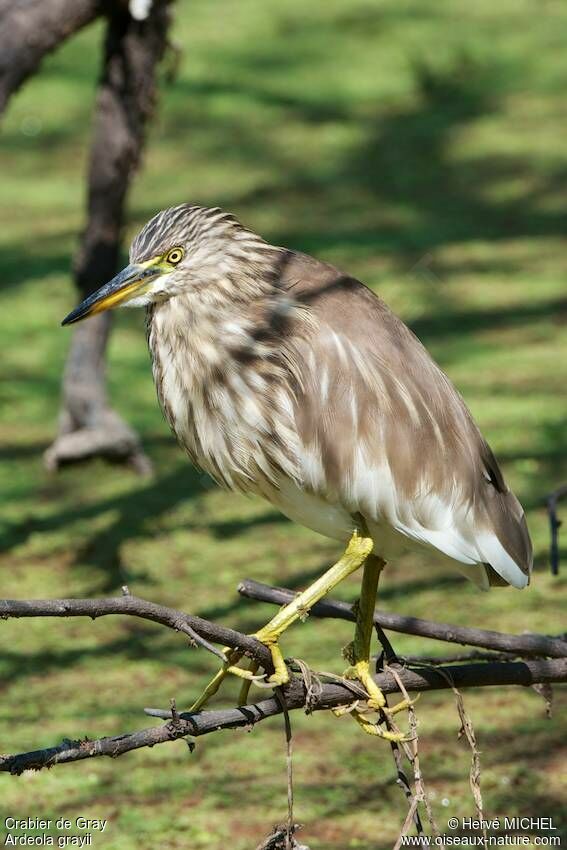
pixel 421 146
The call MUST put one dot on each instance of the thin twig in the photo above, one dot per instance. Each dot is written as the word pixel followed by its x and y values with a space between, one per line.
pixel 467 729
pixel 389 657
pixel 412 811
pixel 403 781
pixel 277 838
pixel 289 767
pixel 412 750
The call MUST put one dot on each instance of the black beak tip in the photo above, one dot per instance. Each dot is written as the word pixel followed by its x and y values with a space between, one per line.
pixel 92 303
pixel 72 317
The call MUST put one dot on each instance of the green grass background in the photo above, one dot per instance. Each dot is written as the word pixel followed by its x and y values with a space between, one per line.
pixel 421 146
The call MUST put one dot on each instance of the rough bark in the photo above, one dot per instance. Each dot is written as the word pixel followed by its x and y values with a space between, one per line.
pixel 125 101
pixel 194 627
pixel 30 29
pixel 180 725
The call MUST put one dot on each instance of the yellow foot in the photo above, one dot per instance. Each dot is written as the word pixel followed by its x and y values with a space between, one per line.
pixel 371 728
pixel 245 689
pixel 360 671
pixel 228 668
pixel 280 676
pixel 232 658
pixel 356 553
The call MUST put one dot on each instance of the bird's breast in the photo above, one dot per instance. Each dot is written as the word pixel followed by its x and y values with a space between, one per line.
pixel 233 415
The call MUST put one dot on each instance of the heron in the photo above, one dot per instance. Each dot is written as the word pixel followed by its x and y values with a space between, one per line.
pixel 282 376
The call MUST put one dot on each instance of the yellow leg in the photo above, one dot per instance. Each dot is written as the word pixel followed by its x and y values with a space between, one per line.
pixel 245 689
pixel 215 683
pixel 354 556
pixel 358 652
pixel 232 659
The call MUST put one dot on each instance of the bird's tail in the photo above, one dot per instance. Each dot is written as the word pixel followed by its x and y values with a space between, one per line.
pixel 505 546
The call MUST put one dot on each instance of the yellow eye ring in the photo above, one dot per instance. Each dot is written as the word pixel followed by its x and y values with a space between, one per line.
pixel 174 256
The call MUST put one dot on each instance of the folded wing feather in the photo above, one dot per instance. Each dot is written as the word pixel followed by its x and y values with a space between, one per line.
pixel 385 434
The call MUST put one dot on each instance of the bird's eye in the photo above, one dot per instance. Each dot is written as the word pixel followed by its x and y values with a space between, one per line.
pixel 175 256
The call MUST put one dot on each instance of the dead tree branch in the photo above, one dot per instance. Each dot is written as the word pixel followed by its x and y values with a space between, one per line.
pixel 523 645
pixel 196 628
pixel 297 694
pixel 332 695
pixel 125 101
pixel 30 29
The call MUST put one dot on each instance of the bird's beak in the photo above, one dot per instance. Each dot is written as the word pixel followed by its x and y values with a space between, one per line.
pixel 131 281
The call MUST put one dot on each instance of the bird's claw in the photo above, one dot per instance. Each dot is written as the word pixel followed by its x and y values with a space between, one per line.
pixel 372 728
pixel 403 705
pixel 375 701
pixel 280 676
pixel 248 675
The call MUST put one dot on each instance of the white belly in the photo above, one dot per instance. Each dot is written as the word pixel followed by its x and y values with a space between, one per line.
pixel 312 511
pixel 335 522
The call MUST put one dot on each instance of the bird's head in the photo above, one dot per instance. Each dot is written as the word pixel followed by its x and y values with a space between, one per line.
pixel 205 253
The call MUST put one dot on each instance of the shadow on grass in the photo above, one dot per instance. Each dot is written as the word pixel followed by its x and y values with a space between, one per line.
pixel 133 511
pixel 19 263
pixel 401 162
pixel 138 642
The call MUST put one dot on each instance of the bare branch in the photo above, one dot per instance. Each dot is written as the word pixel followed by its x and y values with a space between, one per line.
pixel 298 693
pixel 29 29
pixel 527 644
pixel 193 627
pixel 453 658
pixel 332 695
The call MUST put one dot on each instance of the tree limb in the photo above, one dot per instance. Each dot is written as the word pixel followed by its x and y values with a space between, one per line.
pixel 136 607
pixel 332 694
pixel 527 644
pixel 30 29
pixel 125 101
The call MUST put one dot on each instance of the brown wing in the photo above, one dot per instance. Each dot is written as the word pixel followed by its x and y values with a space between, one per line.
pixel 390 434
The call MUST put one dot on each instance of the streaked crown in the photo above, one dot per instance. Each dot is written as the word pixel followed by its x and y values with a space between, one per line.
pixel 185 225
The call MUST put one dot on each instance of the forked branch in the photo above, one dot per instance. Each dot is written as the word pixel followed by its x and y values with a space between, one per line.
pixel 332 695
pixel 198 630
pixel 297 694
